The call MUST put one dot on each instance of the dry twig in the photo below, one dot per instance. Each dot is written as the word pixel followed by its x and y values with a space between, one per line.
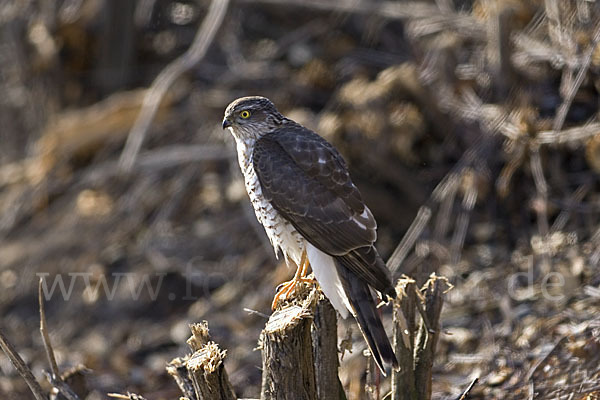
pixel 464 394
pixel 128 396
pixel 409 239
pixel 45 335
pixel 561 115
pixel 21 368
pixel 203 39
pixel 54 376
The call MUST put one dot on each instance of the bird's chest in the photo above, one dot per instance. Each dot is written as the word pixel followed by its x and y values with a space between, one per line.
pixel 280 232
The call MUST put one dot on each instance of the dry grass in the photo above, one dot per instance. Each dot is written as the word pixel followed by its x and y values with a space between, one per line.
pixel 471 128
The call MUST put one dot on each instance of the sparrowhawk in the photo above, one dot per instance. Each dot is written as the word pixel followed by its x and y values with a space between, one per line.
pixel 302 194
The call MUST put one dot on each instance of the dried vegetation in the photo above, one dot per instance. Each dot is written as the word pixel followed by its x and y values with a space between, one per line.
pixel 471 127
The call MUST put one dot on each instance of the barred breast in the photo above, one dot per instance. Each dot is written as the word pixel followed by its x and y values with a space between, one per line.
pixel 280 232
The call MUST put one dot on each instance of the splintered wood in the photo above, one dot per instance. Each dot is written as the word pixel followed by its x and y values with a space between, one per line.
pixel 299 352
pixel 202 375
pixel 414 344
pixel 286 344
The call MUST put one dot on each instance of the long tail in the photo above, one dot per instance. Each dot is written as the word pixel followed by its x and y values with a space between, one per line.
pixel 364 310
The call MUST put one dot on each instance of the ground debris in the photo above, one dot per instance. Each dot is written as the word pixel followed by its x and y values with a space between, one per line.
pixel 470 126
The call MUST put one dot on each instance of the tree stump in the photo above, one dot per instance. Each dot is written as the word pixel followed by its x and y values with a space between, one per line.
pixel 415 345
pixel 403 381
pixel 201 375
pixel 287 355
pixel 325 352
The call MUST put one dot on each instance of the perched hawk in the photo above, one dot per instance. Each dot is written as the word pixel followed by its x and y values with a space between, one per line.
pixel 303 195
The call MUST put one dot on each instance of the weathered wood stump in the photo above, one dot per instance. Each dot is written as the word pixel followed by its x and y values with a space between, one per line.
pixel 403 381
pixel 325 352
pixel 415 345
pixel 202 375
pixel 287 356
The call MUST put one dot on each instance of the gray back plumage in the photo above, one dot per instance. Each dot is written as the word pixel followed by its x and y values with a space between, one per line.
pixel 306 182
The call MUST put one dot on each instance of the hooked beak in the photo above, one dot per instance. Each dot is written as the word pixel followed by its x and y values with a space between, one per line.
pixel 226 123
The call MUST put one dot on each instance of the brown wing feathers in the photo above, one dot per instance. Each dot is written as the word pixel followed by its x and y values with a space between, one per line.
pixel 307 182
pixel 319 207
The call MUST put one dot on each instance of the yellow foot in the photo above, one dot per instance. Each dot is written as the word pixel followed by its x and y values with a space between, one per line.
pixel 287 288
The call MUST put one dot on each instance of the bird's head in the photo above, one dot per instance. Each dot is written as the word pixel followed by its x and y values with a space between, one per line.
pixel 251 117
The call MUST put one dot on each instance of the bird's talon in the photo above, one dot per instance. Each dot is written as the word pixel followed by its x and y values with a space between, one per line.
pixel 288 284
pixel 285 289
pixel 274 149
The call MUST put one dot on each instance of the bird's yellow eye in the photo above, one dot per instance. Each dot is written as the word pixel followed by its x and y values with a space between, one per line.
pixel 245 114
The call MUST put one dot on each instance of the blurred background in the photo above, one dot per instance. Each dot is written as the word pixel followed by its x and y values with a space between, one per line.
pixel 474 122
